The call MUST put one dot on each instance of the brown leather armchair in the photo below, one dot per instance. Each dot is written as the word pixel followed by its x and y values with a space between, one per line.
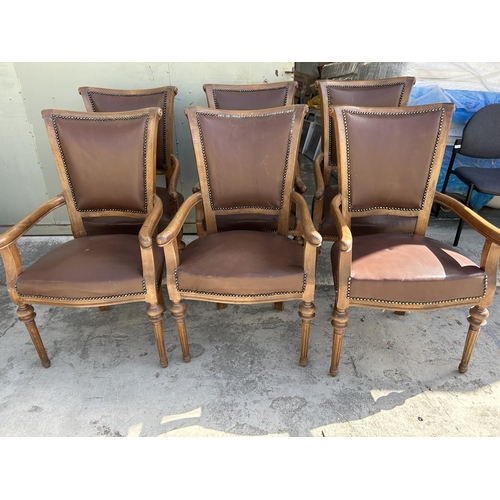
pixel 245 162
pixel 167 165
pixel 106 164
pixel 383 92
pixel 389 162
pixel 251 97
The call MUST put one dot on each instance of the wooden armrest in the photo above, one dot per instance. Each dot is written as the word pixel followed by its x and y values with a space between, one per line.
pixel 16 231
pixel 150 224
pixel 299 183
pixel 310 234
pixel 345 235
pixel 318 178
pixel 171 231
pixel 482 226
pixel 174 178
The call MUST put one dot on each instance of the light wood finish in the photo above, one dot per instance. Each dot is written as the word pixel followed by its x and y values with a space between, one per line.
pixel 312 240
pixel 343 215
pixel 152 213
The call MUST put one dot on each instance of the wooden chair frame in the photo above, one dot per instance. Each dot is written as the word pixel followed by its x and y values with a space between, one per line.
pixel 9 251
pixel 342 216
pixel 312 239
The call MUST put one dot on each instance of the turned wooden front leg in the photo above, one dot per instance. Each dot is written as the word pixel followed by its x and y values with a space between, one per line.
pixel 339 323
pixel 27 314
pixel 307 313
pixel 477 318
pixel 178 311
pixel 155 314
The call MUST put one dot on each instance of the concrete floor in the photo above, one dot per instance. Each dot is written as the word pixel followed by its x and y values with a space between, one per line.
pixel 398 375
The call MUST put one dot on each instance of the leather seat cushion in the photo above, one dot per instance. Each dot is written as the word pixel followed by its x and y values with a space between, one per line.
pixel 129 225
pixel 252 222
pixel 364 225
pixel 242 263
pixel 409 268
pixel 89 267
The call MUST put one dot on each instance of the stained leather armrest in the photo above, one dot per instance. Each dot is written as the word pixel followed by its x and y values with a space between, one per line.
pixel 150 224
pixel 171 231
pixel 16 231
pixel 310 234
pixel 345 235
pixel 482 226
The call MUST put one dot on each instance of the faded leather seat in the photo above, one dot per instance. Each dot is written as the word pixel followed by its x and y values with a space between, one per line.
pixel 389 162
pixel 104 266
pixel 253 262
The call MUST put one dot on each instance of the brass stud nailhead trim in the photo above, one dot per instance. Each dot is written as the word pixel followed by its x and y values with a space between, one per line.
pixel 431 166
pixel 376 86
pixel 80 299
pixel 143 94
pixel 98 118
pixel 214 90
pixel 449 301
pixel 221 114
pixel 215 294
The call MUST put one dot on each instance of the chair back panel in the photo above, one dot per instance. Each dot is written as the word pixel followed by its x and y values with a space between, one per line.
pixel 106 161
pixel 245 159
pixel 111 100
pixel 250 97
pixel 481 134
pixel 370 93
pixel 390 158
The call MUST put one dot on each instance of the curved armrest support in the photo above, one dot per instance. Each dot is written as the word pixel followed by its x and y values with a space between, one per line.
pixel 16 231
pixel 150 224
pixel 483 227
pixel 174 178
pixel 318 178
pixel 171 231
pixel 311 235
pixel 345 235
pixel 299 183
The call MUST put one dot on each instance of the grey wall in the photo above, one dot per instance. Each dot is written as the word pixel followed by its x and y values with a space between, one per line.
pixel 28 175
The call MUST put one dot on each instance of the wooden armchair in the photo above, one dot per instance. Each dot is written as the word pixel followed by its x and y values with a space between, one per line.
pixel 384 92
pixel 245 162
pixel 106 164
pixel 389 162
pixel 167 165
pixel 251 97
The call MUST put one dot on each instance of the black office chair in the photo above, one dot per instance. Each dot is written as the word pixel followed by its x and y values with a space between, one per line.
pixel 480 139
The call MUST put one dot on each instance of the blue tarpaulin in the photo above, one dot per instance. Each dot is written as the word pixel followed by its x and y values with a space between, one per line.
pixel 467 102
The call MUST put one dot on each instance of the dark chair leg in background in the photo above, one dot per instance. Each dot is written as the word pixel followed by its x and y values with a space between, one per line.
pixel 461 223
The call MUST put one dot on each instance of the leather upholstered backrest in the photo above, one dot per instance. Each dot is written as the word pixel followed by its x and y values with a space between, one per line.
pixel 259 96
pixel 383 92
pixel 103 100
pixel 106 161
pixel 390 158
pixel 245 159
